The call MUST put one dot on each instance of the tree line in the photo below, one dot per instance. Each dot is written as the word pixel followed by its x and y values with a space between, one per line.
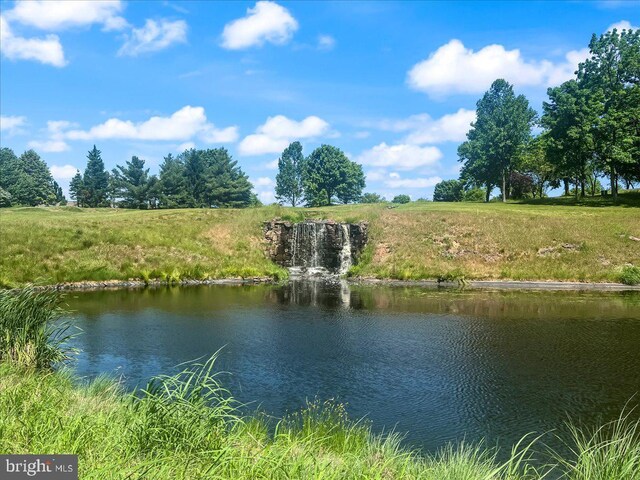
pixel 590 130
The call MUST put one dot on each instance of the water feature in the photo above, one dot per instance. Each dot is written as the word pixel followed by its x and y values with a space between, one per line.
pixel 439 365
pixel 315 247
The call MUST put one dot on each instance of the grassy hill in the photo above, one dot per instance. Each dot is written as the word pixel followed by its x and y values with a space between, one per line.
pixel 552 239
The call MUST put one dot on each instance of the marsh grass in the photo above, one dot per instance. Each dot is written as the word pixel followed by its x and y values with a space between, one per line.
pixel 187 426
pixel 31 332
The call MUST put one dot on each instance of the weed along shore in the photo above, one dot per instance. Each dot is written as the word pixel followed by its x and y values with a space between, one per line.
pixel 450 242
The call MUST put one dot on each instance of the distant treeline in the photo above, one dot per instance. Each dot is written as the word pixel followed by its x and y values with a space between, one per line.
pixel 591 130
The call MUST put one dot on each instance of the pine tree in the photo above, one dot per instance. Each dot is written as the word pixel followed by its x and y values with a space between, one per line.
pixel 172 184
pixel 131 184
pixel 26 178
pixel 95 181
pixel 289 178
pixel 76 189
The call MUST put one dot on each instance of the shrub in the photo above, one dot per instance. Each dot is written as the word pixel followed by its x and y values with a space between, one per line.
pixel 630 275
pixel 448 191
pixel 401 199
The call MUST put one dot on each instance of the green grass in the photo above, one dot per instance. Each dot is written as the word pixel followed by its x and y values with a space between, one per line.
pixel 550 239
pixel 187 427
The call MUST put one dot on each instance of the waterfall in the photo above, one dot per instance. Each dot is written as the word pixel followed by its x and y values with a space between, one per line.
pixel 315 247
pixel 345 253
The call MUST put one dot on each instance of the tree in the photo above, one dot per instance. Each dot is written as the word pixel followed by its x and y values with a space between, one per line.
pixel 76 189
pixel 329 174
pixel 172 185
pixel 226 185
pixel 60 200
pixel 448 191
pixel 536 163
pixel 131 184
pixel 372 198
pixel 5 198
pixel 26 178
pixel 289 178
pixel 497 137
pixel 611 75
pixel 95 181
pixel 569 117
pixel 401 199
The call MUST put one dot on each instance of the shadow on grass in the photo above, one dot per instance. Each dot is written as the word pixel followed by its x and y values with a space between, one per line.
pixel 625 199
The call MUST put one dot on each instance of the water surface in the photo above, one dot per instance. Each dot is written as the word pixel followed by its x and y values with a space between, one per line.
pixel 437 365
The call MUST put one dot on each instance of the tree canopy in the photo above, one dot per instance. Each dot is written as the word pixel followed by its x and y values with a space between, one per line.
pixel 289 187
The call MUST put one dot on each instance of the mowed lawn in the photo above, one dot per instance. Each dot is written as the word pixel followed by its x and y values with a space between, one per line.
pixel 556 240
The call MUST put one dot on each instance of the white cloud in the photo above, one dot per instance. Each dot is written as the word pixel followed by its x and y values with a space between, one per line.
pixel 277 132
pixel 184 124
pixel 326 42
pixel 266 22
pixel 47 50
pixel 422 129
pixel 622 25
pixel 402 156
pixel 453 68
pixel 375 175
pixel 266 196
pixel 413 182
pixel 63 172
pixel 262 182
pixel 154 36
pixel 12 123
pixel 272 165
pixel 362 134
pixel 60 15
pixel 185 146
pixel 49 145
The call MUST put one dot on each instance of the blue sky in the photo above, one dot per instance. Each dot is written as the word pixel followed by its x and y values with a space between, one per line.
pixel 393 84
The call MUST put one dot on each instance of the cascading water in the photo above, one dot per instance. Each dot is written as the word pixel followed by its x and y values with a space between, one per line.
pixel 315 247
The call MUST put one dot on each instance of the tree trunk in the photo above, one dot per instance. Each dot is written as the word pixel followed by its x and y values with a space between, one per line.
pixel 566 186
pixel 488 194
pixel 614 184
pixel 504 185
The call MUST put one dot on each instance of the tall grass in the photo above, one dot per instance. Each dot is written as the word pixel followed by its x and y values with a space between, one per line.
pixel 31 332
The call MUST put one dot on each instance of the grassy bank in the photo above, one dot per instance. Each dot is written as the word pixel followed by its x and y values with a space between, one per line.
pixel 549 240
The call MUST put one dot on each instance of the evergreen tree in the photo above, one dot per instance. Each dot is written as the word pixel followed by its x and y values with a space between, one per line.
pixel 289 178
pixel 60 200
pixel 26 178
pixel 226 185
pixel 95 181
pixel 131 184
pixel 76 189
pixel 329 174
pixel 172 185
pixel 497 137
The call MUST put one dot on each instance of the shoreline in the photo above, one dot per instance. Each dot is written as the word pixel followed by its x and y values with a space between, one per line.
pixel 387 282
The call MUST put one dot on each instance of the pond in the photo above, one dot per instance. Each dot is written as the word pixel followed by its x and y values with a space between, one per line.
pixel 437 365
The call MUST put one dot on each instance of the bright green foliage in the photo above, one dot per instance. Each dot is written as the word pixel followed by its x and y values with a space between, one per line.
pixel 329 174
pixel 611 76
pixel 95 181
pixel 372 198
pixel 630 275
pixel 401 199
pixel 26 179
pixel 569 117
pixel 497 138
pixel 131 184
pixel 31 333
pixel 76 189
pixel 5 198
pixel 289 178
pixel 448 191
pixel 536 163
pixel 473 194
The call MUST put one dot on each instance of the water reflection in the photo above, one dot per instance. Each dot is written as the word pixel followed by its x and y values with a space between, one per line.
pixel 438 365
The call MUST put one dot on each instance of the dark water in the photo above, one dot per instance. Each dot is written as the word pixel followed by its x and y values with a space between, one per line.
pixel 437 365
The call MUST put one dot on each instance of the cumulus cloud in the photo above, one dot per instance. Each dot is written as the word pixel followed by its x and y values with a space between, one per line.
pixel 60 15
pixel 63 172
pixel 272 165
pixel 47 50
pixel 266 22
pixel 185 146
pixel 182 125
pixel 424 182
pixel 454 68
pixel 401 156
pixel 154 36
pixel 277 132
pixel 262 182
pixel 422 129
pixel 12 124
pixel 53 146
pixel 622 25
